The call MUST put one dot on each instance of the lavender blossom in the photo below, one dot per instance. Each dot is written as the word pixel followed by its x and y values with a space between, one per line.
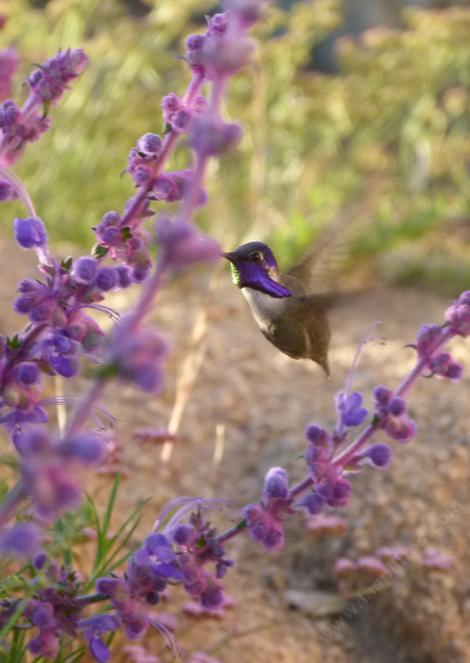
pixel 20 541
pixel 30 233
pixel 50 81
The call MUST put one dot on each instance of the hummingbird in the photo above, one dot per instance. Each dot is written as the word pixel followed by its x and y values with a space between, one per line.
pixel 288 316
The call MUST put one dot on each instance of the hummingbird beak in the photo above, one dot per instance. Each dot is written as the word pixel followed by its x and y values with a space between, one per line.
pixel 229 256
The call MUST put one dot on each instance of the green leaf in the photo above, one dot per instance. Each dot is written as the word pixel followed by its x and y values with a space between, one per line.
pixel 99 251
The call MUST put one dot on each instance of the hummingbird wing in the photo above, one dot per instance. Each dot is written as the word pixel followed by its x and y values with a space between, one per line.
pixel 316 270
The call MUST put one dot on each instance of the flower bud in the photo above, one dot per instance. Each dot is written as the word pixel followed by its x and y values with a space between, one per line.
pixel 30 232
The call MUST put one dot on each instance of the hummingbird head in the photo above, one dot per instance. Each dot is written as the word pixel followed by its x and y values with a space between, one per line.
pixel 254 266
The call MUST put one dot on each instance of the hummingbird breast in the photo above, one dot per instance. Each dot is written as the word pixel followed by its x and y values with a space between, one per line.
pixel 296 325
pixel 265 308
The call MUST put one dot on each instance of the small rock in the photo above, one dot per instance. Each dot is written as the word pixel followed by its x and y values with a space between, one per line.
pixel 315 603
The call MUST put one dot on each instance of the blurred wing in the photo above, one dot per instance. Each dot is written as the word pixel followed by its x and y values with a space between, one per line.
pixel 321 265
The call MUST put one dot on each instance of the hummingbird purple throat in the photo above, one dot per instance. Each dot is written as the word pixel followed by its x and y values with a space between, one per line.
pixel 290 317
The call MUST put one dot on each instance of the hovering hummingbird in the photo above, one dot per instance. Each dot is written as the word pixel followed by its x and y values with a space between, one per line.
pixel 288 316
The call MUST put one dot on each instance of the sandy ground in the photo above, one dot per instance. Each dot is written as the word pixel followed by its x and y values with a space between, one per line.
pixel 245 410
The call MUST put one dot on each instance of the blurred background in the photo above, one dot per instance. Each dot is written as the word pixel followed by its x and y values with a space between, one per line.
pixel 358 109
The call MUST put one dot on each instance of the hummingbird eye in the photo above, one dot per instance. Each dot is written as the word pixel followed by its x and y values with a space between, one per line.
pixel 256 256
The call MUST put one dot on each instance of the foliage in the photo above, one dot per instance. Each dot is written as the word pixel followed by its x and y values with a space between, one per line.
pixel 394 120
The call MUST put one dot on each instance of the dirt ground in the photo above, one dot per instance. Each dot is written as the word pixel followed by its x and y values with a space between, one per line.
pixel 245 408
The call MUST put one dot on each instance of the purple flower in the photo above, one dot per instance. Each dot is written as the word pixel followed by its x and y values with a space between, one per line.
pixel 93 628
pixel 173 186
pixel 397 406
pixel 458 315
pixel 184 244
pixel 84 269
pixel 39 560
pixel 169 105
pixel 264 527
pixel 150 144
pixel 61 353
pixel 30 232
pixel 247 11
pixel 442 365
pixel 212 597
pixel 341 493
pixel 50 81
pixel 10 116
pixel 27 373
pixel 276 484
pixel 20 541
pixel 379 455
pixel 6 190
pixel 313 502
pixel 319 450
pixel 183 534
pixel 139 358
pixel 88 448
pixel 426 339
pixel 349 409
pixel 224 51
pixel 391 411
pixel 45 644
pixel 106 278
pixel 16 419
pixel 159 546
pixel 211 136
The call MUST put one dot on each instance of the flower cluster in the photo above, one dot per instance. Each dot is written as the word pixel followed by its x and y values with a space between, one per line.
pixel 60 332
pixel 47 83
pixel 50 468
pixel 330 457
pixel 264 520
pixel 185 549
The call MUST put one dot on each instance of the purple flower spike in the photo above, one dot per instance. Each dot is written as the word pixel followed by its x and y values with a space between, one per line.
pixel 50 81
pixel 349 409
pixel 30 232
